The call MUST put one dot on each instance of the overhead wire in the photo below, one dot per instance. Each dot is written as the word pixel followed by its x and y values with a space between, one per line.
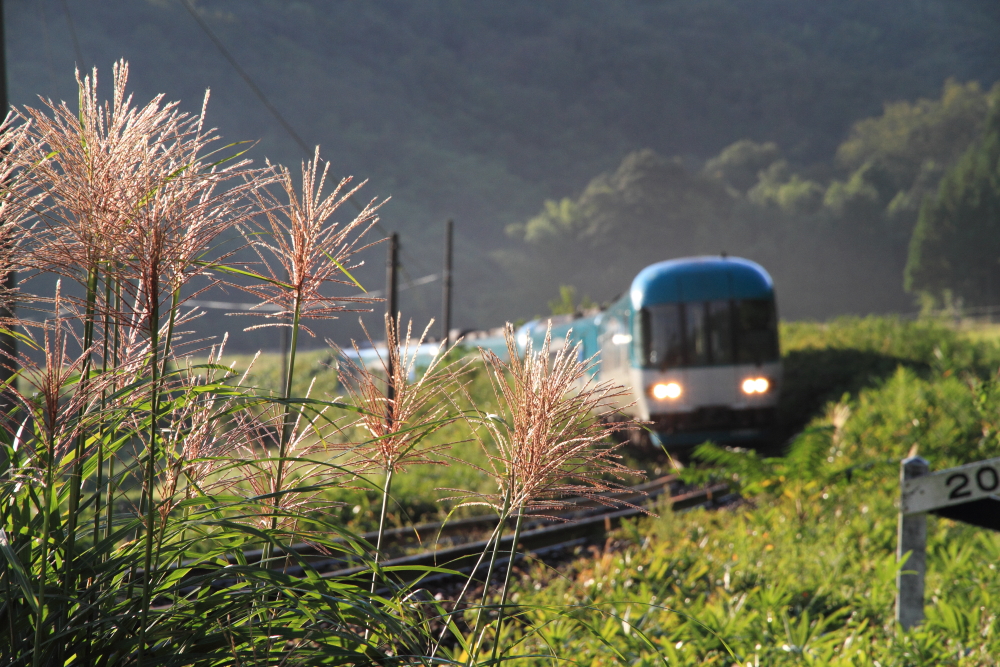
pixel 273 110
pixel 258 92
pixel 245 76
pixel 256 307
pixel 72 33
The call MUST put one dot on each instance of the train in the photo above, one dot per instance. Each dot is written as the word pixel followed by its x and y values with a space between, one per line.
pixel 695 339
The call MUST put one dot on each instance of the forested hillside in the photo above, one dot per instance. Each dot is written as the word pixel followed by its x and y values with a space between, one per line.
pixel 482 111
pixel 836 237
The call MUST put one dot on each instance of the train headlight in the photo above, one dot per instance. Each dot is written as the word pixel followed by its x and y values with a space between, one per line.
pixel 663 390
pixel 756 385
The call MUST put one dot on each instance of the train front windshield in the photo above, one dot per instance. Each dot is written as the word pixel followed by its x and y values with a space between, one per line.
pixel 710 333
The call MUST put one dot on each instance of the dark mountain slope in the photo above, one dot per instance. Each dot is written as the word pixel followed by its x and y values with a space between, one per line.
pixel 480 111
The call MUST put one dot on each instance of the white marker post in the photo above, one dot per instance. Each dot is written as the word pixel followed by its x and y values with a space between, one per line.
pixel 912 538
pixel 968 493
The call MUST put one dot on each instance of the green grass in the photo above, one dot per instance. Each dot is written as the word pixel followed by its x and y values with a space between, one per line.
pixel 803 571
pixel 825 361
pixel 806 577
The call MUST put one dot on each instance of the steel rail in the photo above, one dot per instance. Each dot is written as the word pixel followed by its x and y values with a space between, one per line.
pixel 557 535
pixel 544 537
pixel 462 530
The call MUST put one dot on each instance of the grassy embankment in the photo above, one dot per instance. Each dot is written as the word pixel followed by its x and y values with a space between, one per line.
pixel 803 572
pixel 823 363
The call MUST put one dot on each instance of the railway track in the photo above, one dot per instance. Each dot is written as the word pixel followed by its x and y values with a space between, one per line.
pixel 458 545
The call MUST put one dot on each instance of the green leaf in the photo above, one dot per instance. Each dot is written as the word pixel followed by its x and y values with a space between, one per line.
pixel 19 574
pixel 245 272
pixel 345 271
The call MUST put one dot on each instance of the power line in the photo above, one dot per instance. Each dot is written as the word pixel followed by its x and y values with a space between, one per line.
pixel 277 114
pixel 72 33
pixel 260 93
pixel 246 77
pixel 254 307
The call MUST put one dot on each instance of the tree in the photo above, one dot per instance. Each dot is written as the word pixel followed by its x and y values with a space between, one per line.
pixel 649 209
pixel 777 186
pixel 907 135
pixel 738 164
pixel 955 246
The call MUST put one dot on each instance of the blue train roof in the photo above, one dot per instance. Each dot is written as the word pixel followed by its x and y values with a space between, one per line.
pixel 700 279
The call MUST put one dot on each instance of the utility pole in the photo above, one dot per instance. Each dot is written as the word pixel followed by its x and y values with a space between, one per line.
pixel 392 312
pixel 8 344
pixel 391 278
pixel 449 232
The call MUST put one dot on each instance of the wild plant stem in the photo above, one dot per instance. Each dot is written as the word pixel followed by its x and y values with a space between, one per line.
pixel 286 429
pixel 115 349
pixel 286 433
pixel 154 342
pixel 36 653
pixel 174 301
pixel 506 583
pixel 187 517
pixel 286 422
pixel 381 525
pixel 12 608
pixel 11 463
pixel 489 576
pixel 290 370
pixel 465 589
pixel 104 397
pixel 386 489
pixel 76 479
pixel 390 405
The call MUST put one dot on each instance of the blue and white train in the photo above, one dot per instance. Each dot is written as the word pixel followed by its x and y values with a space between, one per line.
pixel 696 341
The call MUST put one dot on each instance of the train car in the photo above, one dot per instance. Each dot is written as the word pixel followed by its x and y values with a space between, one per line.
pixel 696 340
pixel 583 330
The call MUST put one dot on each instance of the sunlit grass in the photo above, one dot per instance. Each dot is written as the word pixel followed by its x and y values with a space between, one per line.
pixel 803 571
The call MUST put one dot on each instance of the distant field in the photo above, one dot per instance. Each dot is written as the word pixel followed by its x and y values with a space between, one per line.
pixel 979 331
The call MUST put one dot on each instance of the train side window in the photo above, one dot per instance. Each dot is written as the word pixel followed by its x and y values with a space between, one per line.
pixel 756 331
pixel 663 335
